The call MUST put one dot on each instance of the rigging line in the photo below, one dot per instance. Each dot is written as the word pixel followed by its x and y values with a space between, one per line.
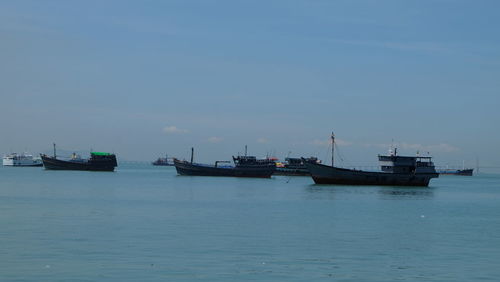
pixel 341 156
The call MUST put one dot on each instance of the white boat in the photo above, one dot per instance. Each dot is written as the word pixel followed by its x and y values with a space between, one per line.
pixel 24 159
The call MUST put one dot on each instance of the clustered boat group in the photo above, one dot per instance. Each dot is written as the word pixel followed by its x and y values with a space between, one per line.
pixel 394 169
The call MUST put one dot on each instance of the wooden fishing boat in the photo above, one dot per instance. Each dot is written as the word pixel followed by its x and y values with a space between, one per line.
pixel 244 166
pixel 98 161
pixel 395 170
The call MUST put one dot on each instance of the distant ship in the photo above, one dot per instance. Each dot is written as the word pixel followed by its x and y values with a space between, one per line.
pixel 98 161
pixel 21 160
pixel 463 172
pixel 295 166
pixel 244 166
pixel 396 171
pixel 166 161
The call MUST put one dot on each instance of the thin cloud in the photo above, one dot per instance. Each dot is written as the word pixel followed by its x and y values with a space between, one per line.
pixel 174 130
pixel 441 147
pixel 262 140
pixel 215 139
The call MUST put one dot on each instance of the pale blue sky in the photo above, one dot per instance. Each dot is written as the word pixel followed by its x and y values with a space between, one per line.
pixel 143 78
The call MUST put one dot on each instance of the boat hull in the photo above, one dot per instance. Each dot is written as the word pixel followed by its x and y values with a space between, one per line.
pixel 186 168
pixel 323 174
pixel 31 164
pixel 292 171
pixel 162 164
pixel 100 165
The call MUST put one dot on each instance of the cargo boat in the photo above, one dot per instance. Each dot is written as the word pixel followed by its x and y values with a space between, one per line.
pixel 98 161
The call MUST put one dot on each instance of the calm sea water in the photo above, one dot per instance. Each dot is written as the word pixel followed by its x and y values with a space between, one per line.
pixel 144 223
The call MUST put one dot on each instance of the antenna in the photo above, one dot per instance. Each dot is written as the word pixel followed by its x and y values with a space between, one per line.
pixel 333 146
pixel 54 150
pixel 245 150
pixel 477 165
pixel 192 154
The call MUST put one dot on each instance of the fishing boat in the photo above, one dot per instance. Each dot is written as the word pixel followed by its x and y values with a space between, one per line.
pixel 24 159
pixel 98 161
pixel 244 166
pixel 395 170
pixel 295 166
pixel 166 161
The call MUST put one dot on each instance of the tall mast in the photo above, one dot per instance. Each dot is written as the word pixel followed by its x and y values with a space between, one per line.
pixel 192 153
pixel 245 150
pixel 333 146
pixel 54 150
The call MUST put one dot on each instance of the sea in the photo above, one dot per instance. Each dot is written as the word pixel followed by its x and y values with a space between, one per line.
pixel 146 223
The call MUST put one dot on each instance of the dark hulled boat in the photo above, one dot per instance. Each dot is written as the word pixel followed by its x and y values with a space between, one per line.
pixel 396 171
pixel 244 166
pixel 462 172
pixel 98 161
pixel 295 166
pixel 166 161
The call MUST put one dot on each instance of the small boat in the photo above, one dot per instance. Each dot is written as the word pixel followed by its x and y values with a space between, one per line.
pixel 295 166
pixel 24 159
pixel 456 171
pixel 244 166
pixel 396 171
pixel 166 161
pixel 98 161
pixel 462 172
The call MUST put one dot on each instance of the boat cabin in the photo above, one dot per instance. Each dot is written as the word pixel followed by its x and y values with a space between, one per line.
pixel 251 160
pixel 406 164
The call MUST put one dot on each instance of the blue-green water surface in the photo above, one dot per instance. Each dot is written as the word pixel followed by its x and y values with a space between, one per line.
pixel 145 223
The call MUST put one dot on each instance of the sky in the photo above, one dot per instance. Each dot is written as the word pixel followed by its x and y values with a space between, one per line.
pixel 148 78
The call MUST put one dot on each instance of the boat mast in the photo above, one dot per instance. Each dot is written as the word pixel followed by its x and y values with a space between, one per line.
pixel 333 146
pixel 54 150
pixel 245 150
pixel 192 153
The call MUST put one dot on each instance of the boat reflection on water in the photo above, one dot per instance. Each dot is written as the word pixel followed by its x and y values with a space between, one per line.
pixel 404 192
pixel 386 192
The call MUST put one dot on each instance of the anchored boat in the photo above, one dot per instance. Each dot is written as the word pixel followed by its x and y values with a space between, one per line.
pixel 98 161
pixel 295 166
pixel 396 170
pixel 166 161
pixel 463 172
pixel 244 166
pixel 24 159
